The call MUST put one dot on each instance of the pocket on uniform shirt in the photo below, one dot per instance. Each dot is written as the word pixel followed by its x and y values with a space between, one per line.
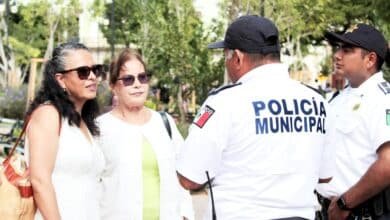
pixel 347 125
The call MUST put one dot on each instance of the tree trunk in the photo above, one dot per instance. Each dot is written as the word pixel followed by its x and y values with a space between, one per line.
pixel 180 103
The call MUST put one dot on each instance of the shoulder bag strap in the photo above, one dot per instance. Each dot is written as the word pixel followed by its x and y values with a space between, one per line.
pixel 19 138
pixel 22 133
pixel 166 123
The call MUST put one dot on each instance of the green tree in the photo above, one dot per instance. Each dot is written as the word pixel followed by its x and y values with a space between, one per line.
pixel 302 23
pixel 31 32
pixel 172 39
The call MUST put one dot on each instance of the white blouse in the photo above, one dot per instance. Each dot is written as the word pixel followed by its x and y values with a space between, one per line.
pixel 121 143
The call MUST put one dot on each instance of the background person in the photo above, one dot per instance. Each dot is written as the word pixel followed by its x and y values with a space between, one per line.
pixel 262 138
pixel 65 163
pixel 140 180
pixel 362 137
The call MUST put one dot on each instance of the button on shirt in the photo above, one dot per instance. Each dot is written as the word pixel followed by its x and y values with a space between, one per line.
pixel 361 128
pixel 262 143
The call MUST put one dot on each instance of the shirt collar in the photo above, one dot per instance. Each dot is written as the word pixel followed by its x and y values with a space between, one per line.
pixel 266 72
pixel 368 84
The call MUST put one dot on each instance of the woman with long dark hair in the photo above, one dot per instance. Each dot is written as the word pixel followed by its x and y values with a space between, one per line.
pixel 65 163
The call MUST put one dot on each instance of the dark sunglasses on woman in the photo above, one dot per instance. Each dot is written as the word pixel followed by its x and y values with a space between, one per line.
pixel 129 80
pixel 84 71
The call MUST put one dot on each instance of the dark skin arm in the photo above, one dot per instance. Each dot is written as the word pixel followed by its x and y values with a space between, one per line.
pixel 327 180
pixel 188 184
pixel 373 181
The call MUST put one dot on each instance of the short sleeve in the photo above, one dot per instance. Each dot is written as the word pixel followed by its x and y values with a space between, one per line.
pixel 202 150
pixel 379 123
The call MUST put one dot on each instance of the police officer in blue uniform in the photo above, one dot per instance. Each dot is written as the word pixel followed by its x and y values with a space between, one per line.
pixel 360 185
pixel 261 140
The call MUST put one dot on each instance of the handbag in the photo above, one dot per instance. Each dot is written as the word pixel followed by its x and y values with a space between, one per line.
pixel 16 194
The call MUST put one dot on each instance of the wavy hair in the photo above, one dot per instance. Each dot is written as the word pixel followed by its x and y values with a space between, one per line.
pixel 51 91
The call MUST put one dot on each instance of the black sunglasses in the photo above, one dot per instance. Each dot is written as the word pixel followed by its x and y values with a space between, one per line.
pixel 129 80
pixel 84 71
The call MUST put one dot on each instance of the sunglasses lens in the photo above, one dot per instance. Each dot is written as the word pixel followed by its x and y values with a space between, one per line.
pixel 128 80
pixel 98 70
pixel 143 78
pixel 83 72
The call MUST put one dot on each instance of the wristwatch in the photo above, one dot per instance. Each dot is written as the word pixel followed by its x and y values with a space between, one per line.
pixel 342 204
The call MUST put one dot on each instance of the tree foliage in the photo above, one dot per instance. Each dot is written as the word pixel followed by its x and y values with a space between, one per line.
pixel 172 39
pixel 302 23
pixel 31 32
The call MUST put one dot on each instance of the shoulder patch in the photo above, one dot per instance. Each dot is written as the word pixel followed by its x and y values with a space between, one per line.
pixel 203 116
pixel 385 87
pixel 217 90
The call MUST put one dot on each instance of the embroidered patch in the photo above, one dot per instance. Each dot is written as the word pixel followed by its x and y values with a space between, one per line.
pixel 203 116
pixel 388 117
pixel 356 107
pixel 385 87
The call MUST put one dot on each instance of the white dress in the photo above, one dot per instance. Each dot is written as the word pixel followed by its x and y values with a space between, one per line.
pixel 76 175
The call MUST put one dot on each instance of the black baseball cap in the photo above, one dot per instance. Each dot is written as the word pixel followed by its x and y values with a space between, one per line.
pixel 250 34
pixel 363 36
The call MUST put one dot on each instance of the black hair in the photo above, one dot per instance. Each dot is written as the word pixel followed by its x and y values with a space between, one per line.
pixel 379 60
pixel 51 91
pixel 387 60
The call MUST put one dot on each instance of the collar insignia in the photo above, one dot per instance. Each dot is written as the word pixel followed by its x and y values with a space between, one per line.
pixel 356 107
pixel 385 87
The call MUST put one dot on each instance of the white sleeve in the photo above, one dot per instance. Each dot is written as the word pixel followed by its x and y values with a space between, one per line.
pixel 186 207
pixel 205 143
pixel 379 124
pixel 328 161
pixel 185 199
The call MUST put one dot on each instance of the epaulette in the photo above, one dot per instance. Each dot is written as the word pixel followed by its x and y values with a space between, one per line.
pixel 385 87
pixel 334 96
pixel 217 90
pixel 314 89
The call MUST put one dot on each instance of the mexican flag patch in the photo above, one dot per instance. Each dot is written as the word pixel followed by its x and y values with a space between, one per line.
pixel 203 116
pixel 388 117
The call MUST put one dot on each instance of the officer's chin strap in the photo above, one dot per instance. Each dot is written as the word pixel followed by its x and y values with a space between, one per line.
pixel 212 197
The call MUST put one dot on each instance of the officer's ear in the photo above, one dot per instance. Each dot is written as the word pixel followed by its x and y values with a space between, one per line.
pixel 238 56
pixel 371 60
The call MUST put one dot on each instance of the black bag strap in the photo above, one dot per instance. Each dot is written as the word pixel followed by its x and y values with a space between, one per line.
pixel 166 123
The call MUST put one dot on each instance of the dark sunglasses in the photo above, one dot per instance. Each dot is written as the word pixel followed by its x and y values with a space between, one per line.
pixel 129 80
pixel 84 71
